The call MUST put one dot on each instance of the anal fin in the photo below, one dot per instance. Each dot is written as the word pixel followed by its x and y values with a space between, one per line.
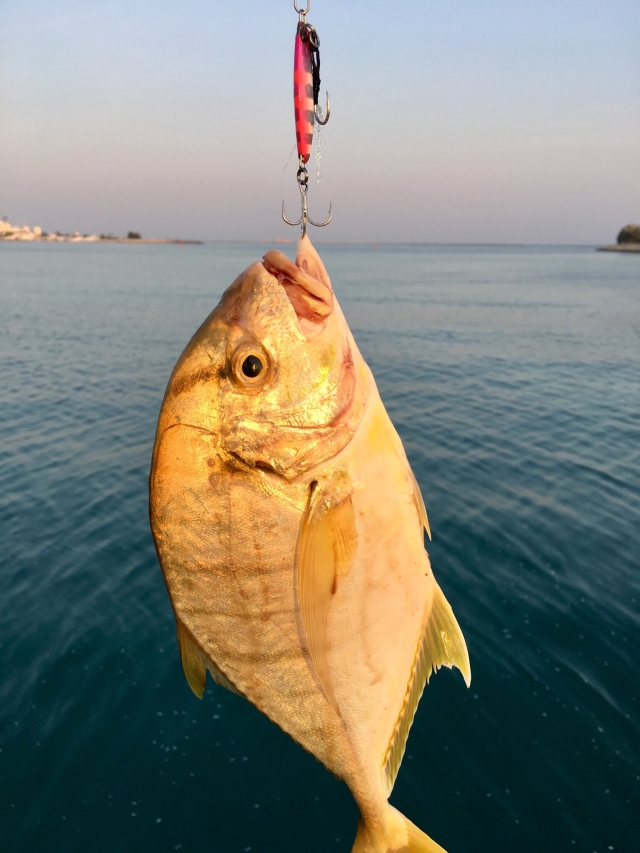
pixel 195 664
pixel 443 641
pixel 441 644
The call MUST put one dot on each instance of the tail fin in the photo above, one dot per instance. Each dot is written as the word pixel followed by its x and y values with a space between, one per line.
pixel 398 835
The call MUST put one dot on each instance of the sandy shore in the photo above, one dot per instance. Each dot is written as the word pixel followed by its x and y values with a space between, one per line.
pixel 622 247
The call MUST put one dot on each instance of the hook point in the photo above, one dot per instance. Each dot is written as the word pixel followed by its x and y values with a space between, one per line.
pixel 323 121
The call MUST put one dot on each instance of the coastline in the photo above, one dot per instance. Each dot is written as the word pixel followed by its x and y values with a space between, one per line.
pixel 24 234
pixel 149 240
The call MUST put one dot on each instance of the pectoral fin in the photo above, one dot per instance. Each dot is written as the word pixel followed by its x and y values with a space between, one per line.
pixel 442 644
pixel 326 546
pixel 195 664
pixel 422 510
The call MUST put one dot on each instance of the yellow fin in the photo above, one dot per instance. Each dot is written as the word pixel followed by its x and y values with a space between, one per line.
pixel 419 841
pixel 442 644
pixel 393 834
pixel 326 546
pixel 422 510
pixel 195 664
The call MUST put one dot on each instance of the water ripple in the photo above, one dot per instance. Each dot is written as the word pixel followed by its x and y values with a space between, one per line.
pixel 512 377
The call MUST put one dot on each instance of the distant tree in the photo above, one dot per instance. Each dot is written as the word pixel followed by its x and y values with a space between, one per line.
pixel 133 235
pixel 629 234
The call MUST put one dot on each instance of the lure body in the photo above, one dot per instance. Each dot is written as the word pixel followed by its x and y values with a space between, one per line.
pixel 303 102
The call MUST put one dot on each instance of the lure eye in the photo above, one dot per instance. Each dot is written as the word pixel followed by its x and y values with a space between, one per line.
pixel 250 365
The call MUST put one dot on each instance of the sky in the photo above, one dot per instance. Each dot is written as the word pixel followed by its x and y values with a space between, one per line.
pixel 464 121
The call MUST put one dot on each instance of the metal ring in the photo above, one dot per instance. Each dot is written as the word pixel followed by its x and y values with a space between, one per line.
pixel 301 11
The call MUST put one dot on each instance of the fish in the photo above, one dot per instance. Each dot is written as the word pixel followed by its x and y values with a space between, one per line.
pixel 290 527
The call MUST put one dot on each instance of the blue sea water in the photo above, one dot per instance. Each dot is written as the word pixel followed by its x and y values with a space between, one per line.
pixel 513 377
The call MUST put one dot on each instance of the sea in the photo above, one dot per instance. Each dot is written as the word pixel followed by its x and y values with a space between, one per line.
pixel 513 377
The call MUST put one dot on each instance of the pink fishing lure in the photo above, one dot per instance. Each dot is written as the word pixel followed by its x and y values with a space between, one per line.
pixel 303 103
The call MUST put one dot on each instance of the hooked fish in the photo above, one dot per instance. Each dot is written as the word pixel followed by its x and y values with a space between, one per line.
pixel 289 528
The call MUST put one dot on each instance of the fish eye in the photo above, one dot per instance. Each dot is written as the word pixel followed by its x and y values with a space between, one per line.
pixel 250 365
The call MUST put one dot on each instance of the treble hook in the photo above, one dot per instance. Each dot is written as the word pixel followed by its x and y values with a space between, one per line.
pixel 304 216
pixel 303 178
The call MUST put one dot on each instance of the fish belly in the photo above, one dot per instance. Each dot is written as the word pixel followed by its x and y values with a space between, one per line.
pixel 226 539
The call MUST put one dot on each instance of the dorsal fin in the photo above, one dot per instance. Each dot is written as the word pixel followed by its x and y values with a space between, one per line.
pixel 195 664
pixel 442 644
pixel 326 546
pixel 422 510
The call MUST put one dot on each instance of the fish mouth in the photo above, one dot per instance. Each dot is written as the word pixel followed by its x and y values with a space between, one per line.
pixel 311 299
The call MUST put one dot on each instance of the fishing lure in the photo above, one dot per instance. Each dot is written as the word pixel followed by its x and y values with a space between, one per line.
pixel 306 88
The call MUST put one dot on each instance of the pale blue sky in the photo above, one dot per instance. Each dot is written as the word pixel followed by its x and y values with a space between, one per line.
pixel 451 122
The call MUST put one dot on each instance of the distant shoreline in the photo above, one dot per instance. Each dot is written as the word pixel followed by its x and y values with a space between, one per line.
pixel 149 240
pixel 373 244
pixel 104 241
pixel 24 234
pixel 621 247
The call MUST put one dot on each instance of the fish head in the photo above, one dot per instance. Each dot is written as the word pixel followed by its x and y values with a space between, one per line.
pixel 273 372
